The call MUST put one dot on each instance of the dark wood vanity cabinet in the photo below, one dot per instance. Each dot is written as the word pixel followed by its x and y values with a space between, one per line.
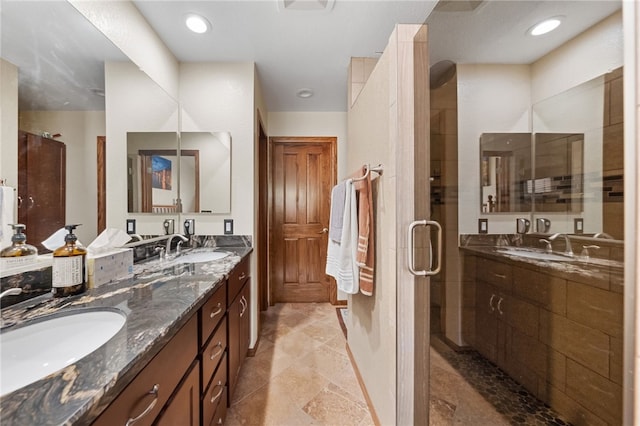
pixel 557 333
pixel 191 380
pixel 239 321
pixel 152 388
pixel 184 407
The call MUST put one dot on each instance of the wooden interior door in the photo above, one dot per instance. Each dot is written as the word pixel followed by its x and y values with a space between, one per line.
pixel 41 186
pixel 303 174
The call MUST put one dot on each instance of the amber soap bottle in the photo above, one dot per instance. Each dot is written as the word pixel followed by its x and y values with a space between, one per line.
pixel 69 272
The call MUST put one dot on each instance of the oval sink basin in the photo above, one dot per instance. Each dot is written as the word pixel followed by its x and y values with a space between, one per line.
pixel 32 351
pixel 537 255
pixel 203 256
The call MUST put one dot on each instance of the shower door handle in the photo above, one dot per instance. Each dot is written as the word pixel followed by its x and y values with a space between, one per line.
pixel 411 248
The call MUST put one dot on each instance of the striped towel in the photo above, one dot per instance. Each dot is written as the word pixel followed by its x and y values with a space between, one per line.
pixel 365 257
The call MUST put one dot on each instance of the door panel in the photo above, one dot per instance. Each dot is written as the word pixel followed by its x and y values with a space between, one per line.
pixel 41 186
pixel 303 175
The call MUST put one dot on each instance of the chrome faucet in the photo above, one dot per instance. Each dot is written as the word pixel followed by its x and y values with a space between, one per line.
pixel 548 248
pixel 567 243
pixel 138 237
pixel 171 237
pixel 603 235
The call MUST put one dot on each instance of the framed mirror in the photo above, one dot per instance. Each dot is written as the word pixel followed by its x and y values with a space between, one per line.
pixel 505 172
pixel 196 178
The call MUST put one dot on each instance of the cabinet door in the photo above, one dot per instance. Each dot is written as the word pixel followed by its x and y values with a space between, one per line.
pixel 245 321
pixel 233 341
pixel 41 186
pixel 486 320
pixel 184 408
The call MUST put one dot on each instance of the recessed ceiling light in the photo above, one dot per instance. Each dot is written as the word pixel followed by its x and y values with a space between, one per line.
pixel 545 26
pixel 196 23
pixel 305 93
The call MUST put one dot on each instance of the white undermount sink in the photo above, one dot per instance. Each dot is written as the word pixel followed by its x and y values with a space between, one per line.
pixel 43 346
pixel 202 256
pixel 537 255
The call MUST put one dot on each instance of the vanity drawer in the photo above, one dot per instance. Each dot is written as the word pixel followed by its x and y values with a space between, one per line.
pixel 216 393
pixel 496 273
pixel 163 373
pixel 221 412
pixel 213 353
pixel 212 312
pixel 237 278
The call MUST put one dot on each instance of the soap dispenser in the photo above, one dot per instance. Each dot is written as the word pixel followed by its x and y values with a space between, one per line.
pixel 69 272
pixel 19 252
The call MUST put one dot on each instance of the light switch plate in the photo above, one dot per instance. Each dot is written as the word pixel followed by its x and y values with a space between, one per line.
pixel 131 226
pixel 483 226
pixel 228 226
pixel 578 225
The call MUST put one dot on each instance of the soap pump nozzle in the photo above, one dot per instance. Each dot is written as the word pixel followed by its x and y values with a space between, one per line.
pixel 18 233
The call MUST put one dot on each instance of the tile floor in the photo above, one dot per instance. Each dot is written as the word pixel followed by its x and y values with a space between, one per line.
pixel 301 375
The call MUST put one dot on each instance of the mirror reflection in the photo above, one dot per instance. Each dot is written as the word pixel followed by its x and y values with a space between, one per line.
pixel 557 180
pixel 585 119
pixel 505 170
pixel 194 179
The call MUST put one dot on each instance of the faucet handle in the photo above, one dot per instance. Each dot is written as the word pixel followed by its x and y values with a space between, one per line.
pixel 162 252
pixel 548 248
pixel 585 250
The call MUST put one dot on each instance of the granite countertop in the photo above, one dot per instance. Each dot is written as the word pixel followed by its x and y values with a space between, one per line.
pixel 158 300
pixel 607 274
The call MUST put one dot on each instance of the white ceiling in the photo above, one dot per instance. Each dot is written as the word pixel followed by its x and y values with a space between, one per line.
pixel 293 49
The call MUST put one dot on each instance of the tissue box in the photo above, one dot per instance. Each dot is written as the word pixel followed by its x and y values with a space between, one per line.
pixel 110 266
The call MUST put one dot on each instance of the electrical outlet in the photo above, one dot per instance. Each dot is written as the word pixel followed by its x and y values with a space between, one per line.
pixel 228 226
pixel 578 225
pixel 131 226
pixel 483 226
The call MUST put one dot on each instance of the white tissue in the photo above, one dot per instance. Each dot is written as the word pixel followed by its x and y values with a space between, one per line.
pixel 56 239
pixel 109 239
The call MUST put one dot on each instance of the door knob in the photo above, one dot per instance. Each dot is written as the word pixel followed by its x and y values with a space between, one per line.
pixel 324 231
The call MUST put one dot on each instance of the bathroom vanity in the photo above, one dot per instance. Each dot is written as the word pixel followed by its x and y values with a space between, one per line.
pixel 175 360
pixel 555 326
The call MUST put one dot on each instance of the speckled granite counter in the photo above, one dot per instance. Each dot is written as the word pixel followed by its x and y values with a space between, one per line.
pixel 158 301
pixel 595 271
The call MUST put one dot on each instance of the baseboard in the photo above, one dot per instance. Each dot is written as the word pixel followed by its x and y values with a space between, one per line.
pixel 372 411
pixel 252 351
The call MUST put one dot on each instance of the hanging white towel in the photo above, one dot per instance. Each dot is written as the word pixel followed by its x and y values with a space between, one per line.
pixel 7 217
pixel 337 212
pixel 341 257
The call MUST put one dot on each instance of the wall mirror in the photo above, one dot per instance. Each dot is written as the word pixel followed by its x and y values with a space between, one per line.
pixel 196 178
pixel 584 119
pixel 558 173
pixel 505 170
pixel 59 58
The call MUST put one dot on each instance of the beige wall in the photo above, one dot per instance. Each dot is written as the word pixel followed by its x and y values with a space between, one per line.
pixel 8 133
pixel 220 97
pixel 133 103
pixel 372 320
pixel 313 124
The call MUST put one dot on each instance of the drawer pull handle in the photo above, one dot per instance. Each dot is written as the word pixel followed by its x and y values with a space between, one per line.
pixel 217 354
pixel 217 311
pixel 154 392
pixel 243 302
pixel 493 296
pixel 213 398
pixel 502 277
pixel 500 306
pixel 242 277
